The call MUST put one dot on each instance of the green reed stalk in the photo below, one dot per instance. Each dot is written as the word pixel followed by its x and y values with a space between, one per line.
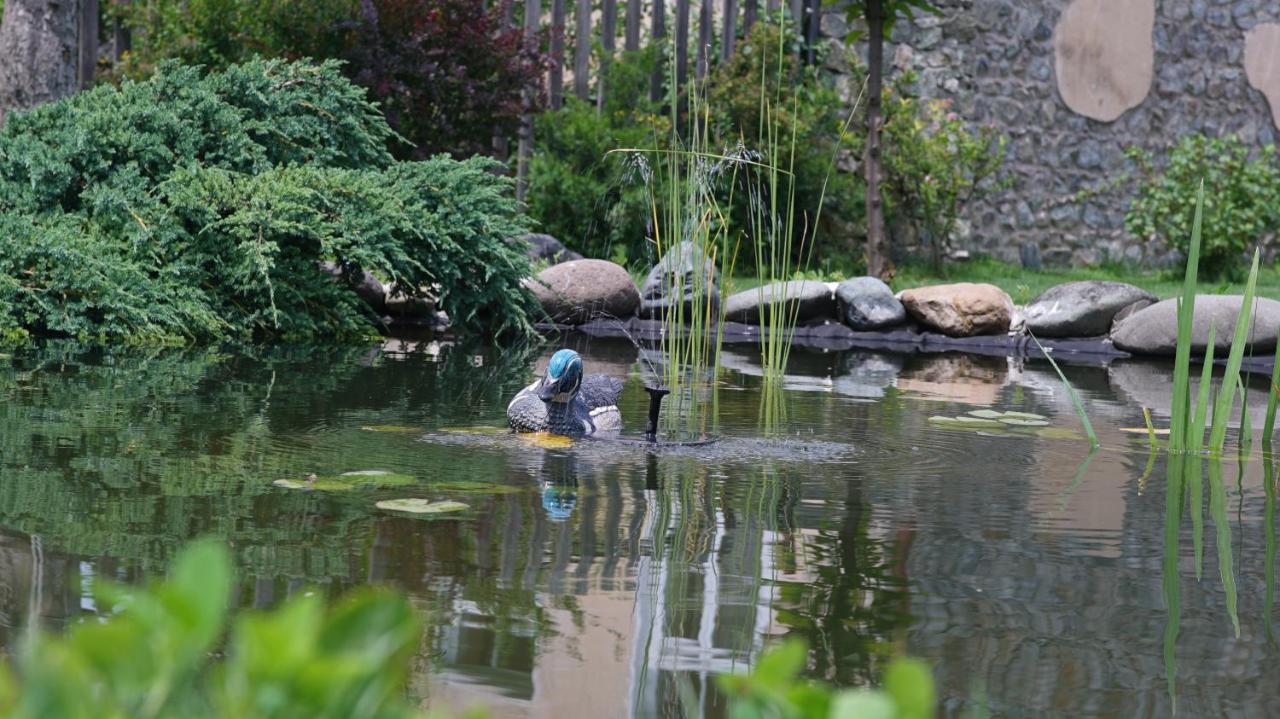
pixel 1269 536
pixel 1169 579
pixel 1071 392
pixel 1273 397
pixel 1180 411
pixel 1226 395
pixel 1218 508
pixel 1200 412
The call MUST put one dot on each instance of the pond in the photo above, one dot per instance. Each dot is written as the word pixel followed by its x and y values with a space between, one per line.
pixel 594 579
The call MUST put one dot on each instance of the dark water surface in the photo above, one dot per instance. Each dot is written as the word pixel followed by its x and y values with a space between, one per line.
pixel 595 580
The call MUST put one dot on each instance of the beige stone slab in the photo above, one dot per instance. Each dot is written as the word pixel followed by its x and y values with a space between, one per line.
pixel 1262 63
pixel 1104 56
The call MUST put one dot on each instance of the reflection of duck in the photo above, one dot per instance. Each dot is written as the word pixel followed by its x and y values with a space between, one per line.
pixel 566 402
pixel 558 500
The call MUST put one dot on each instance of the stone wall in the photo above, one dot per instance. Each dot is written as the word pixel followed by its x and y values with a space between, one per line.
pixel 1151 72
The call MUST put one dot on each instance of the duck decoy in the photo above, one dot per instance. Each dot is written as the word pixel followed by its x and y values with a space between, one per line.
pixel 567 402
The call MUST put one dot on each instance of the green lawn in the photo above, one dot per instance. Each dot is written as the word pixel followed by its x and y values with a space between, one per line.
pixel 1023 285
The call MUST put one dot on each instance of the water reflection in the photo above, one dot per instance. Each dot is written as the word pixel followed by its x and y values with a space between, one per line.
pixel 1061 581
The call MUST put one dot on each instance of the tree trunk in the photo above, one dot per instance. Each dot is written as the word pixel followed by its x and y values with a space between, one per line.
pixel 555 83
pixel 501 143
pixel 796 9
pixel 811 18
pixel 582 50
pixel 682 46
pixel 772 6
pixel 730 34
pixel 634 11
pixel 524 150
pixel 121 37
pixel 88 43
pixel 750 11
pixel 659 33
pixel 38 44
pixel 877 260
pixel 704 38
pixel 608 43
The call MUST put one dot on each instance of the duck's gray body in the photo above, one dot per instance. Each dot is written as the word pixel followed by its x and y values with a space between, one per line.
pixel 592 410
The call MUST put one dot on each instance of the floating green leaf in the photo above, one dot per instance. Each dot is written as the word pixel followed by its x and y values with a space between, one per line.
pixel 414 505
pixel 348 480
pixel 965 422
pixel 390 429
pixel 1020 422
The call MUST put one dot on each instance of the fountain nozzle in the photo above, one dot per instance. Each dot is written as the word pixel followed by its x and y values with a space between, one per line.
pixel 655 410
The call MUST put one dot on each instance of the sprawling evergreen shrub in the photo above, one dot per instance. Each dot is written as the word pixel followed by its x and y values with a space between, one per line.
pixel 198 207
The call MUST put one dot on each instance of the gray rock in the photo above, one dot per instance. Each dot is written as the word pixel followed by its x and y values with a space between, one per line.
pixel 1123 314
pixel 401 303
pixel 1080 309
pixel 1154 330
pixel 364 284
pixel 580 290
pixel 814 300
pixel 866 303
pixel 681 277
pixel 545 248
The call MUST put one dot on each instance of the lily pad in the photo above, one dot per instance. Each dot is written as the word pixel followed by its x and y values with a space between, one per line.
pixel 348 480
pixel 415 505
pixel 466 485
pixel 1025 415
pixel 966 422
pixel 390 429
pixel 1020 422
pixel 986 414
pixel 1058 433
pixel 477 430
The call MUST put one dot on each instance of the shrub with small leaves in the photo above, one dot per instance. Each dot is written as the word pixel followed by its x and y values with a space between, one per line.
pixel 198 207
pixel 1241 199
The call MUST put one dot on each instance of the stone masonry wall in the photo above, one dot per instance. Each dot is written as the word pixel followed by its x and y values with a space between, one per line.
pixel 1010 63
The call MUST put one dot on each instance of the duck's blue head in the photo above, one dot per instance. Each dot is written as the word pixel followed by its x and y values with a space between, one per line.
pixel 564 377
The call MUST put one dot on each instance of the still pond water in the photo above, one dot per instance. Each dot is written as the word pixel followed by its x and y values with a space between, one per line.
pixel 598 580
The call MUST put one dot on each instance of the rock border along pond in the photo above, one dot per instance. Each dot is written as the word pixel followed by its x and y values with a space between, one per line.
pixel 1091 321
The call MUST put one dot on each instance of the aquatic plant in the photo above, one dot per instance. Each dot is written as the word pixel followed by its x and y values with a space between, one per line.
pixel 1071 392
pixel 198 207
pixel 152 654
pixel 1188 416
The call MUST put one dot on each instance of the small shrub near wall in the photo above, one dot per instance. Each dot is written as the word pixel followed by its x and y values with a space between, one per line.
pixel 1241 199
pixel 198 207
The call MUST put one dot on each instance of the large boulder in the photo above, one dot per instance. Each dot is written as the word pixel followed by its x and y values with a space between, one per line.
pixel 580 290
pixel 1155 330
pixel 364 284
pixel 810 300
pixel 1081 309
pixel 866 303
pixel 686 277
pixel 545 248
pixel 963 309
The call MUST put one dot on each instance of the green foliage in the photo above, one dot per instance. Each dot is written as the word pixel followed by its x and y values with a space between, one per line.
pixel 151 658
pixel 891 10
pixel 934 164
pixel 218 33
pixel 198 207
pixel 1241 201
pixel 594 202
pixel 774 689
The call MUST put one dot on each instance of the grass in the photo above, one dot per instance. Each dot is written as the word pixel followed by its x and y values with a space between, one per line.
pixel 1024 285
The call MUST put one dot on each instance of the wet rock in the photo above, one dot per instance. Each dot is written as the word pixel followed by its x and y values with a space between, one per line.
pixel 813 300
pixel 364 284
pixel 580 290
pixel 402 303
pixel 545 248
pixel 866 303
pixel 963 309
pixel 681 277
pixel 1154 330
pixel 1104 56
pixel 1123 314
pixel 1080 309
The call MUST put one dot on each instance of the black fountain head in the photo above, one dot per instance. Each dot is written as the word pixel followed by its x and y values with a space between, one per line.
pixel 655 410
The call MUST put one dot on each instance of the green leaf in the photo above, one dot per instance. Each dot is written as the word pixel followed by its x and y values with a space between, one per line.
pixel 414 505
pixel 910 683
pixel 863 704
